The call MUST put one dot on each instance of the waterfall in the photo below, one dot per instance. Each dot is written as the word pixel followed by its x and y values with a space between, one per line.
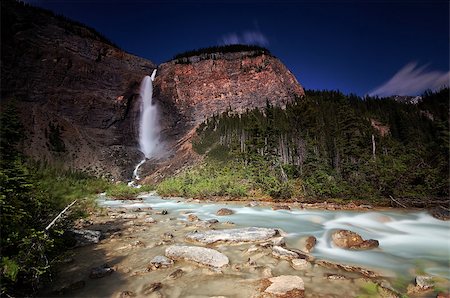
pixel 149 129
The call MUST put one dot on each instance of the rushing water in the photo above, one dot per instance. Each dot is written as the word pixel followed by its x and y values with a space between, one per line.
pixel 409 241
pixel 149 139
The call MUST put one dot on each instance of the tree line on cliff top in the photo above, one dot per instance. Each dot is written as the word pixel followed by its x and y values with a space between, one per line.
pixel 326 146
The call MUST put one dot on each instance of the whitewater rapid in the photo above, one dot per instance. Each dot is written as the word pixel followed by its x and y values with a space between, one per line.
pixel 409 241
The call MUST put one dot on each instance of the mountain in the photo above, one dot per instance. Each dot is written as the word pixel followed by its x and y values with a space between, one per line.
pixel 78 93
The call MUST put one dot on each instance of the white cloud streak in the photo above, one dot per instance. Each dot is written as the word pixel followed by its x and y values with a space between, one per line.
pixel 412 80
pixel 247 37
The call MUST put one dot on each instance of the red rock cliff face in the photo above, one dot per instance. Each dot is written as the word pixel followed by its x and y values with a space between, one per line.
pixel 236 81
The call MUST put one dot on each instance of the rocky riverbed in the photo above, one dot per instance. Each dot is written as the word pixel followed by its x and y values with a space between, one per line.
pixel 156 252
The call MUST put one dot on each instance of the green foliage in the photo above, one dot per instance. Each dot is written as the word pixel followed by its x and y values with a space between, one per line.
pixel 210 52
pixel 369 290
pixel 205 181
pixel 122 191
pixel 31 195
pixel 324 142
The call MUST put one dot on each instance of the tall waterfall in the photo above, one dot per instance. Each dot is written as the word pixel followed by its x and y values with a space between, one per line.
pixel 149 129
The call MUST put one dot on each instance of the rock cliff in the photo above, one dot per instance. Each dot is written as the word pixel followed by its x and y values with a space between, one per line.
pixel 77 93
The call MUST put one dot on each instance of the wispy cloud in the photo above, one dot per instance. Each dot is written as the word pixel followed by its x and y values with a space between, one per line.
pixel 412 80
pixel 254 37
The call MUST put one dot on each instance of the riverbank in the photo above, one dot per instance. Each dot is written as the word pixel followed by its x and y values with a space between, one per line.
pixel 135 232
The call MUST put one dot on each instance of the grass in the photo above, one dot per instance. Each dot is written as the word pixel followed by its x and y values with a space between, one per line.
pixel 122 191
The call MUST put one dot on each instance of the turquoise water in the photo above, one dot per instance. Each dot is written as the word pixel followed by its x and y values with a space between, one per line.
pixel 409 241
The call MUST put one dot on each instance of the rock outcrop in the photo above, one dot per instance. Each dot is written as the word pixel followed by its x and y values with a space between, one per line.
pixel 77 93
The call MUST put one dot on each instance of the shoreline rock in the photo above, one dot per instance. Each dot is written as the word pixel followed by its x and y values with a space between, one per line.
pixel 200 255
pixel 241 235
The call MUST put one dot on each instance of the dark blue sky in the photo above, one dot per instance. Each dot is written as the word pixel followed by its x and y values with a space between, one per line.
pixel 353 46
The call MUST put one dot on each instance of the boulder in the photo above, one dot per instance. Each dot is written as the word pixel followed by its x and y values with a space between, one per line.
pixel 250 234
pixel 351 240
pixel 85 237
pixel 283 253
pixel 224 211
pixel 286 286
pixel 200 255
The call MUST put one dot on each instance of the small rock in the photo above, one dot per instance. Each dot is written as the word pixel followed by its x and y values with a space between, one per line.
pixel 192 218
pixel 283 253
pixel 149 220
pixel 335 277
pixel 224 211
pixel 286 285
pixel 138 243
pixel 151 288
pixel 126 294
pixel 424 282
pixel 310 242
pixel 128 216
pixel 278 241
pixel 176 274
pixel 212 221
pixel 300 264
pixel 281 207
pixel 160 262
pixel 85 237
pixel 351 240
pixel 267 272
pixel 166 236
pixel 252 249
pixel 102 271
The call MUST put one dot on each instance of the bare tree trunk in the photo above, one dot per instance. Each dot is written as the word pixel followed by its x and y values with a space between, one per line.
pixel 59 215
pixel 373 147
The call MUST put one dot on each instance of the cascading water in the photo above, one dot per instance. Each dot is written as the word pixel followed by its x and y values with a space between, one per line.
pixel 149 140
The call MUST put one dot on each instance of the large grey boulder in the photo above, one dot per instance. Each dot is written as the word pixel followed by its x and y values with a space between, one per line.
pixel 200 255
pixel 251 234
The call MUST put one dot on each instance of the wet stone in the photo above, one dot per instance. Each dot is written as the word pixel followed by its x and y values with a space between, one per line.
pixel 102 271
pixel 150 288
pixel 251 234
pixel 289 285
pixel 176 274
pixel 160 262
pixel 224 211
pixel 200 255
pixel 310 242
pixel 126 294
